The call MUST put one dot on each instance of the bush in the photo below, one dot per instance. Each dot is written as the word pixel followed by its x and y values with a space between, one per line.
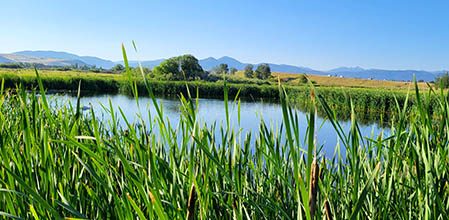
pixel 263 71
pixel 302 79
pixel 248 72
pixel 442 81
pixel 119 68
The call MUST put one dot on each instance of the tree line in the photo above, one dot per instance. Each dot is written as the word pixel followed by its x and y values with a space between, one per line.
pixel 188 67
pixel 184 67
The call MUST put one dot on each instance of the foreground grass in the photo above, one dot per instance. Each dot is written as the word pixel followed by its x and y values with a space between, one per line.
pixel 57 163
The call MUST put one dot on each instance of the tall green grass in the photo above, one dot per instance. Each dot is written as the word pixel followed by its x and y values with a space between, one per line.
pixel 57 163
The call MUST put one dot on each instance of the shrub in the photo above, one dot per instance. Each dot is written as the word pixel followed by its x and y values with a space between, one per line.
pixel 442 81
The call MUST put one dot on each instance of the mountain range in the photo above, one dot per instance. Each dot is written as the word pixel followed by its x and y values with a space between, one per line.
pixel 55 58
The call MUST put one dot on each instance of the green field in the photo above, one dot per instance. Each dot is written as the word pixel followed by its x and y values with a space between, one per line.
pixel 57 163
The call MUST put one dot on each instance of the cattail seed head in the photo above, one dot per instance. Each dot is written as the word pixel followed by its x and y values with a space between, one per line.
pixel 328 211
pixel 313 187
pixel 191 203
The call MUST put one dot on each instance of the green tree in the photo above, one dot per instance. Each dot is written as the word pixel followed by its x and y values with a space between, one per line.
pixel 442 81
pixel 249 71
pixel 168 69
pixel 263 71
pixel 118 68
pixel 138 72
pixel 190 66
pixel 232 71
pixel 179 68
pixel 221 69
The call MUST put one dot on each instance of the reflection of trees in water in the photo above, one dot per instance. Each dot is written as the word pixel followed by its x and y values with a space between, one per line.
pixel 364 116
pixel 172 106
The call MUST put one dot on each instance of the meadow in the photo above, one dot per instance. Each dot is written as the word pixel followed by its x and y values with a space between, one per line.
pixel 327 81
pixel 61 163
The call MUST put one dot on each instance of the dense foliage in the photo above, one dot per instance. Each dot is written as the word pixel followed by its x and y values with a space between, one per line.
pixel 263 71
pixel 118 68
pixel 443 81
pixel 248 72
pixel 221 69
pixel 233 71
pixel 183 67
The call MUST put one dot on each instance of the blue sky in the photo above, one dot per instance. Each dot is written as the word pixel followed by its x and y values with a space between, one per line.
pixel 317 34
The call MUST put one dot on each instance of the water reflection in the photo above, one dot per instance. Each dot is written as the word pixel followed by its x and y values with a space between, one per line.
pixel 212 111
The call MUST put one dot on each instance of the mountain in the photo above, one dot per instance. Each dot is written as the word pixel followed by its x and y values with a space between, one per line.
pixel 21 58
pixel 5 60
pixel 98 62
pixel 379 74
pixel 64 58
pixel 48 54
pixel 55 58
pixel 293 69
pixel 210 62
pixel 346 70
pixel 150 63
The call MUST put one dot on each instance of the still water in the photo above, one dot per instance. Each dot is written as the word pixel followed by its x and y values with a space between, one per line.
pixel 212 111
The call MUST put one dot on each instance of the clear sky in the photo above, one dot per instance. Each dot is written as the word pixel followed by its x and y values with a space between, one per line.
pixel 318 34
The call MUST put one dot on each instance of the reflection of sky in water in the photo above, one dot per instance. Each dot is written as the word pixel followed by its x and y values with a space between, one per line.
pixel 212 110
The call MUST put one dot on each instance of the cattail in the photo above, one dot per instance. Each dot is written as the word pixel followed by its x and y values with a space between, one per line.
pixel 327 208
pixel 312 96
pixel 313 187
pixel 191 203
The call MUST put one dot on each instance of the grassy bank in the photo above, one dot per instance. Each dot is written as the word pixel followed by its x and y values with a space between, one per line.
pixel 58 163
pixel 365 100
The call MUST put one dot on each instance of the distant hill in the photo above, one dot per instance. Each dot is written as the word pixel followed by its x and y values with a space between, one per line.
pixel 48 54
pixel 64 58
pixel 150 64
pixel 95 61
pixel 211 62
pixel 49 61
pixel 346 70
pixel 379 74
pixel 5 60
pixel 55 58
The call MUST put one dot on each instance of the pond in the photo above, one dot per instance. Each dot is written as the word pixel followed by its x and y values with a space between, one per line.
pixel 213 111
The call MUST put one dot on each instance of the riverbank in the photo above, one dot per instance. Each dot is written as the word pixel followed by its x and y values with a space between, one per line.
pixel 369 103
